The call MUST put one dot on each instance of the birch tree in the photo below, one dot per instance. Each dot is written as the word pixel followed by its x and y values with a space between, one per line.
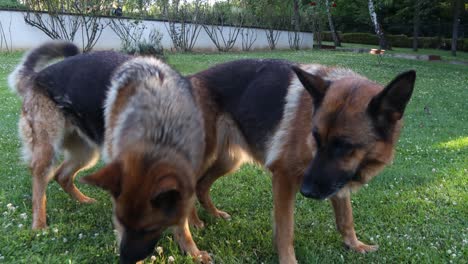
pixel 377 27
pixel 336 40
pixel 456 22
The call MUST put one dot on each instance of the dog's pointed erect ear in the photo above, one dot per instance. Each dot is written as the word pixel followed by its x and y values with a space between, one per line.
pixel 314 84
pixel 108 178
pixel 389 105
pixel 167 195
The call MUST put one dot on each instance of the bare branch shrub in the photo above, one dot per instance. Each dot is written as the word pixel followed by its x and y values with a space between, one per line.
pixel 5 38
pixel 248 36
pixel 63 19
pixel 91 22
pixel 271 31
pixel 294 40
pixel 223 26
pixel 54 23
pixel 129 31
pixel 183 24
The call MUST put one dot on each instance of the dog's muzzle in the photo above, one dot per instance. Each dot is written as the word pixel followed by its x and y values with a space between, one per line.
pixel 133 247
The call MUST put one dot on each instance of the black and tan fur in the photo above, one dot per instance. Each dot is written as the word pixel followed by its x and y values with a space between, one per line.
pixel 255 110
pixel 139 112
pixel 326 140
pixel 153 137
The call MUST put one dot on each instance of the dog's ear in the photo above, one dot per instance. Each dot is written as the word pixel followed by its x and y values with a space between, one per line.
pixel 314 84
pixel 108 178
pixel 389 105
pixel 167 196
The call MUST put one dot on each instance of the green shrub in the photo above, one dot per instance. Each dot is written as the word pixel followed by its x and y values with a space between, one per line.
pixel 360 38
pixel 401 41
pixel 327 35
pixel 151 46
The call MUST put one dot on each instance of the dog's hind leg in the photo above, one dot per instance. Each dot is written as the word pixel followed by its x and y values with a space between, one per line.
pixel 79 155
pixel 225 164
pixel 344 222
pixel 41 165
pixel 39 152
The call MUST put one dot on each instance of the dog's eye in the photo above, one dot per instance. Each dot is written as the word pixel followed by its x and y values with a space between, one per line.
pixel 317 138
pixel 342 147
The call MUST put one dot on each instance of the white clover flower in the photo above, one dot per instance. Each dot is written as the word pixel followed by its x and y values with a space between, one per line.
pixel 65 240
pixel 55 230
pixel 153 258
pixel 238 241
pixel 11 207
pixel 449 251
pixel 454 203
pixel 24 216
pixel 159 250
pixel 96 234
pixel 80 236
pixel 170 259
pixel 454 255
pixel 20 225
pixel 433 170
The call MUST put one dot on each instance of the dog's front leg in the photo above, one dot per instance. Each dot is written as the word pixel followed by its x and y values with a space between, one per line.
pixel 345 224
pixel 184 238
pixel 284 191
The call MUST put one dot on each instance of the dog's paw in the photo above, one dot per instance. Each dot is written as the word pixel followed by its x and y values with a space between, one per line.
pixel 204 258
pixel 224 215
pixel 39 226
pixel 86 200
pixel 362 248
pixel 198 224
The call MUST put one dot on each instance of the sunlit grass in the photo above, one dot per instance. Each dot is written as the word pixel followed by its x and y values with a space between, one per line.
pixel 458 143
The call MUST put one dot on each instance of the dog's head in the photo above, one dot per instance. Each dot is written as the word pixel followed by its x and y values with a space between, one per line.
pixel 356 124
pixel 149 195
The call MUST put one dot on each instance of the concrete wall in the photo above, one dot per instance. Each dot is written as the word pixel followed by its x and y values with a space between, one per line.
pixel 24 36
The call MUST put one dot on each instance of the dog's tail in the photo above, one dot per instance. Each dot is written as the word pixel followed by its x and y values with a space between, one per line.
pixel 37 59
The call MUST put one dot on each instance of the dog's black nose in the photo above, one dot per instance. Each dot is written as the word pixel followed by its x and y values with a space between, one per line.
pixel 134 249
pixel 310 191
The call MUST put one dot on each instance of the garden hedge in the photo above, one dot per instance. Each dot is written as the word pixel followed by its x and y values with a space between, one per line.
pixel 401 41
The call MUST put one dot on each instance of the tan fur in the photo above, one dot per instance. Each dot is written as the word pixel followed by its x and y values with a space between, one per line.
pixel 154 134
pixel 292 148
pixel 43 143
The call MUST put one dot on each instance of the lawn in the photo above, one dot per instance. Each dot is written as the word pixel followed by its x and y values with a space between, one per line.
pixel 416 210
pixel 445 55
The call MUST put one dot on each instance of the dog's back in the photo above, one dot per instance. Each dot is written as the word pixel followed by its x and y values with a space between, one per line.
pixel 252 92
pixel 78 85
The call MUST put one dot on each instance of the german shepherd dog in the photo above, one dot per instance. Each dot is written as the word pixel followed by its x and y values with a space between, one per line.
pixel 152 139
pixel 323 130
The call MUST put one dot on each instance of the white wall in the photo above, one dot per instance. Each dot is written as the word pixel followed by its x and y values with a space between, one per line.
pixel 24 36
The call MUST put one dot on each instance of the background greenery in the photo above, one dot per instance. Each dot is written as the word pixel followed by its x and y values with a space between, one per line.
pixel 416 210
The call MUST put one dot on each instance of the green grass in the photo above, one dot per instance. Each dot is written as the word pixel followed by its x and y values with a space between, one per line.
pixel 446 55
pixel 416 210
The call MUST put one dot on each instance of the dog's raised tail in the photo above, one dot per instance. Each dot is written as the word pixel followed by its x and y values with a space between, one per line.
pixel 35 60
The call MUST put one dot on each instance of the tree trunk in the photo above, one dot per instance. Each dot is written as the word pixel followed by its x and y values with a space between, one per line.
pixel 456 20
pixel 336 40
pixel 416 23
pixel 377 27
pixel 297 23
